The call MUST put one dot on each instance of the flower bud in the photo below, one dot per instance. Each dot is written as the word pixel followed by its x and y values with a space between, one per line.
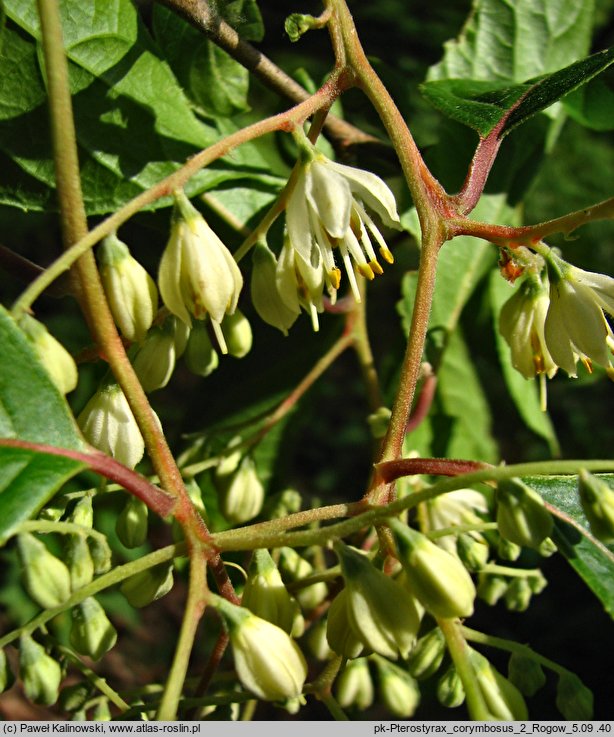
pixel 438 579
pixel 508 550
pixel 237 334
pixel 378 422
pixel 296 568
pixel 266 596
pixel 198 275
pixel 46 577
pixel 522 516
pixel 91 633
pixel 450 689
pixel 6 674
pixel 282 504
pixel 201 358
pixel 154 361
pixel 267 660
pixel 102 713
pixel 57 361
pixel 181 333
pixel 265 297
pixel 398 690
pixel 503 700
pixel 491 588
pixel 526 674
pixel 130 291
pixel 100 553
pixel 426 657
pixel 573 699
pixel 597 500
pixel 473 551
pixel 78 556
pixel 149 585
pixel 518 595
pixel 131 525
pixel 354 686
pixel 547 547
pixel 339 633
pixel 537 581
pixel 317 642
pixel 108 424
pixel 381 612
pixel 40 673
pixel 72 698
pixel 242 493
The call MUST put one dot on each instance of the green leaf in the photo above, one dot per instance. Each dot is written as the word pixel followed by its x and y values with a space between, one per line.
pixel 593 562
pixel 28 480
pixel 484 105
pixel 31 407
pixel 134 122
pixel 514 41
pixel 593 104
pixel 524 392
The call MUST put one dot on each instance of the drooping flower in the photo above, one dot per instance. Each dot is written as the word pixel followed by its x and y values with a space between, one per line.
pixel 326 211
pixel 198 275
pixel 576 327
pixel 266 298
pixel 300 282
pixel 521 323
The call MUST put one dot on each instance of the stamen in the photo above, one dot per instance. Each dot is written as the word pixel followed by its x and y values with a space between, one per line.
pixel 350 272
pixel 366 271
pixel 387 254
pixel 377 269
pixel 335 277
pixel 219 336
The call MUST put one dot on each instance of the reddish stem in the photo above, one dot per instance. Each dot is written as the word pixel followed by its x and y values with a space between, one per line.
pixel 389 471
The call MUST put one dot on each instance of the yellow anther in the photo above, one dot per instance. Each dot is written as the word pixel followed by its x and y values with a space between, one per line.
pixel 377 269
pixel 335 277
pixel 366 271
pixel 386 254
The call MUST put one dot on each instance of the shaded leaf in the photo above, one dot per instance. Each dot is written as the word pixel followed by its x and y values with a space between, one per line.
pixel 592 561
pixel 593 104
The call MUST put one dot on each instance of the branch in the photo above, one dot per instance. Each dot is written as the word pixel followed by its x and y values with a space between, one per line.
pixel 202 16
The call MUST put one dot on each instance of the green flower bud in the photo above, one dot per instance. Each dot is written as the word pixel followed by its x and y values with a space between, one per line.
pixel 518 595
pixel 238 334
pixel 102 713
pixel 398 690
pixel 72 698
pixel 200 356
pixel 91 633
pixel 83 512
pixel 79 561
pixel 317 642
pixel 503 700
pixel 573 699
pixel 438 579
pixel 547 548
pixel 100 553
pixel 266 596
pixel 265 297
pixel 381 612
pixel 242 494
pixel 131 525
pixel 354 686
pixel 267 660
pixel 597 500
pixel 526 674
pixel 282 504
pixel 378 422
pixel 130 291
pixel 147 586
pixel 6 674
pixel 426 657
pixel 508 550
pixel 450 689
pixel 296 568
pixel 46 577
pixel 491 588
pixel 57 361
pixel 537 581
pixel 522 516
pixel 339 633
pixel 181 334
pixel 40 673
pixel 108 424
pixel 473 551
pixel 154 361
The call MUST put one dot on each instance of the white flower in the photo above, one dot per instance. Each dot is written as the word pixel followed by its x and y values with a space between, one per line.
pixel 521 323
pixel 108 424
pixel 301 283
pixel 130 291
pixel 198 275
pixel 576 327
pixel 326 210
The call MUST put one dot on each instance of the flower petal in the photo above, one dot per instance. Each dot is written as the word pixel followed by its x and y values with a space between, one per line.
pixel 297 219
pixel 329 195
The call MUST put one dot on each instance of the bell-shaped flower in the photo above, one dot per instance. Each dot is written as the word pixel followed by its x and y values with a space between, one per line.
pixel 576 327
pixel 328 208
pixel 301 282
pixel 58 362
pixel 521 323
pixel 130 291
pixel 108 424
pixel 382 614
pixel 266 298
pixel 198 275
pixel 267 660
